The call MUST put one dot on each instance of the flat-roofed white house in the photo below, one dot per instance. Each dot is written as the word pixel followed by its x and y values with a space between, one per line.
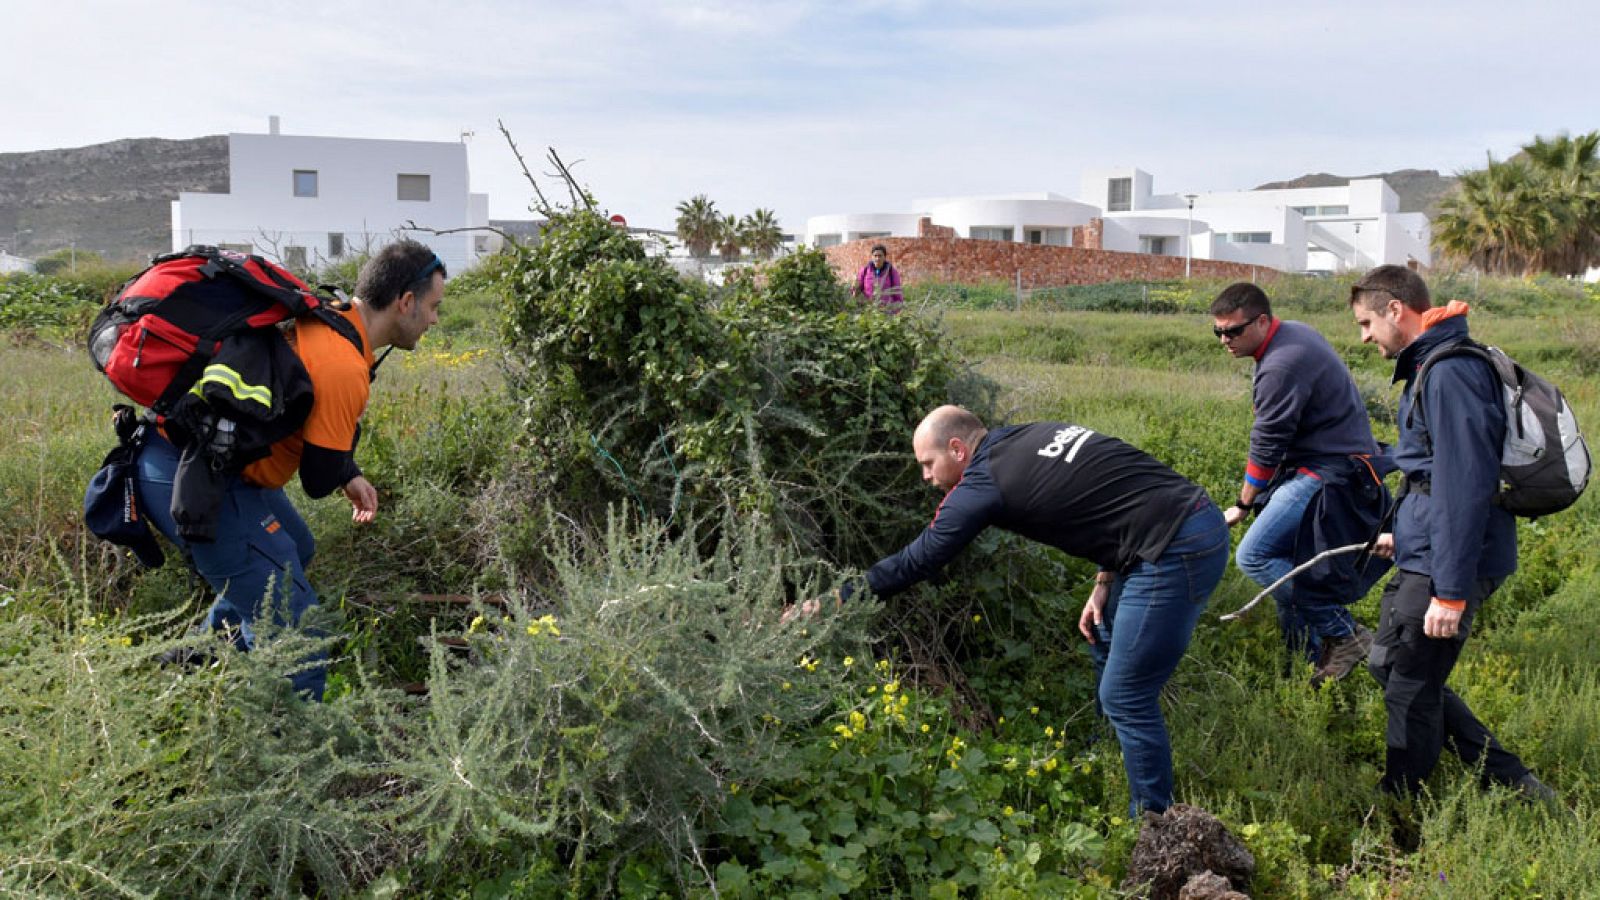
pixel 310 200
pixel 1327 229
pixel 9 263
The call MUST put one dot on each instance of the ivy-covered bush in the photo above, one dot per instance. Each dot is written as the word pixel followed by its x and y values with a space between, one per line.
pixel 778 395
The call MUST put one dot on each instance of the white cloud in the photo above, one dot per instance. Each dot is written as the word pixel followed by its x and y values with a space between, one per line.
pixel 821 105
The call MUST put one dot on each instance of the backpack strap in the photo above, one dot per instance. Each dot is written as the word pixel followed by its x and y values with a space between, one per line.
pixel 1463 347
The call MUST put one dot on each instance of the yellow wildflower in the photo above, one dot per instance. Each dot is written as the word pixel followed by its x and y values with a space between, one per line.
pixel 1050 764
pixel 849 661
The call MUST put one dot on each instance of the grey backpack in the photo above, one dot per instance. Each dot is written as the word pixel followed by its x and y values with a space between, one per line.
pixel 1544 462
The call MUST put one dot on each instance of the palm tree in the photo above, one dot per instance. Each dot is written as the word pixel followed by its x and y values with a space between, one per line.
pixel 1570 167
pixel 1496 219
pixel 698 224
pixel 761 233
pixel 1536 212
pixel 728 237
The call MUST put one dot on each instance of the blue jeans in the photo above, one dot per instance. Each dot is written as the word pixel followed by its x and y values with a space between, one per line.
pixel 1266 553
pixel 260 554
pixel 1149 616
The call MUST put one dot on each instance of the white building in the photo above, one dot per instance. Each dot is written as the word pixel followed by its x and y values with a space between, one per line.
pixel 9 263
pixel 309 200
pixel 1293 230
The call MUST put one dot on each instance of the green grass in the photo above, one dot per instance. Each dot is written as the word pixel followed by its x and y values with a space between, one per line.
pixel 1290 768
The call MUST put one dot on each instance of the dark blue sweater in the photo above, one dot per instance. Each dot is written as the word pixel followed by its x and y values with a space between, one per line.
pixel 1454 533
pixel 1088 494
pixel 1307 406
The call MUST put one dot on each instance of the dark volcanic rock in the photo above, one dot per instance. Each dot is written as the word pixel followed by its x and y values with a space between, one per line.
pixel 1183 842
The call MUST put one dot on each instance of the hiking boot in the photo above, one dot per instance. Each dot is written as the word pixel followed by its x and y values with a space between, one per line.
pixel 1533 790
pixel 1341 655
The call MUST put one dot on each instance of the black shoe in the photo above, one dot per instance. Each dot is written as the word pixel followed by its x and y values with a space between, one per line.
pixel 1341 655
pixel 189 656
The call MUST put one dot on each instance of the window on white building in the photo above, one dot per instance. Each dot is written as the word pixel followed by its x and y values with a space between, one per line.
pixel 480 243
pixel 305 182
pixel 1050 237
pixel 294 257
pixel 413 187
pixel 1119 195
pixel 991 233
pixel 1333 210
pixel 1155 245
pixel 1249 237
pixel 1305 210
pixel 868 235
pixel 827 240
pixel 335 244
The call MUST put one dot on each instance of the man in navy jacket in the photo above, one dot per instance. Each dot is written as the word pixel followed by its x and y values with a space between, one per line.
pixel 1452 546
pixel 1311 461
pixel 1159 541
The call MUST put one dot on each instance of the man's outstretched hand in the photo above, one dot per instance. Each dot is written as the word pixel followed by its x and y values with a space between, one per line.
pixel 802 610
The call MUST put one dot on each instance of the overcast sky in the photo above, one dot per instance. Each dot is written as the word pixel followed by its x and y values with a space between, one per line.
pixel 817 107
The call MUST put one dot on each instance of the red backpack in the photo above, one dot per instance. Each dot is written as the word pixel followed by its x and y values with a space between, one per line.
pixel 157 338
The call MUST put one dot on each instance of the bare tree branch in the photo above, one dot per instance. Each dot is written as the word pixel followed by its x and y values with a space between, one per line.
pixel 565 172
pixel 411 225
pixel 1351 548
pixel 544 206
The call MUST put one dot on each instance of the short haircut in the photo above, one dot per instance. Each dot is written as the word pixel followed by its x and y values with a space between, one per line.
pixel 1242 295
pixel 948 422
pixel 404 265
pixel 1377 287
pixel 877 247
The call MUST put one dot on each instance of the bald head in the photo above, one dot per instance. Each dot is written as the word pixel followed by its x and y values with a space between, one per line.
pixel 944 444
pixel 950 421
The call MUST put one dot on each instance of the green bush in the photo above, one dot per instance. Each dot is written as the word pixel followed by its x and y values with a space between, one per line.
pixel 780 396
pixel 892 796
pixel 614 708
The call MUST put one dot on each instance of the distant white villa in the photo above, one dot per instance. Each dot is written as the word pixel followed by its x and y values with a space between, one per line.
pixel 9 263
pixel 309 200
pixel 1328 229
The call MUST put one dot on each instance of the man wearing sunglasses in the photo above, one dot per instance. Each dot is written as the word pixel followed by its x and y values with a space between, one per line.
pixel 262 545
pixel 1309 477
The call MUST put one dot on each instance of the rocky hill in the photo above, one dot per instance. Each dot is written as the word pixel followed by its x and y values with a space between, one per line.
pixel 113 199
pixel 1420 189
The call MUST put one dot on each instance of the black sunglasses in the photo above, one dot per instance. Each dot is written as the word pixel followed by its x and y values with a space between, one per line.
pixel 1234 331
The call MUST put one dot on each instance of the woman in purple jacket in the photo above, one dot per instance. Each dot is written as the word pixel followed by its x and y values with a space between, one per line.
pixel 880 281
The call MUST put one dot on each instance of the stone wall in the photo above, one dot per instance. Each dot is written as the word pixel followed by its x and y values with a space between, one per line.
pixel 967 261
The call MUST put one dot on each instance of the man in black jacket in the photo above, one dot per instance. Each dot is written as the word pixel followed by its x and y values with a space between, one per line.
pixel 1159 541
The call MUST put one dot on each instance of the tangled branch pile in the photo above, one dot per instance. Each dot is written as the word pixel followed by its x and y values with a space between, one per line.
pixel 778 395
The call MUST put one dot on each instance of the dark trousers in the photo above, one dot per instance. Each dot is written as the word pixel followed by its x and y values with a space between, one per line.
pixel 1425 716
